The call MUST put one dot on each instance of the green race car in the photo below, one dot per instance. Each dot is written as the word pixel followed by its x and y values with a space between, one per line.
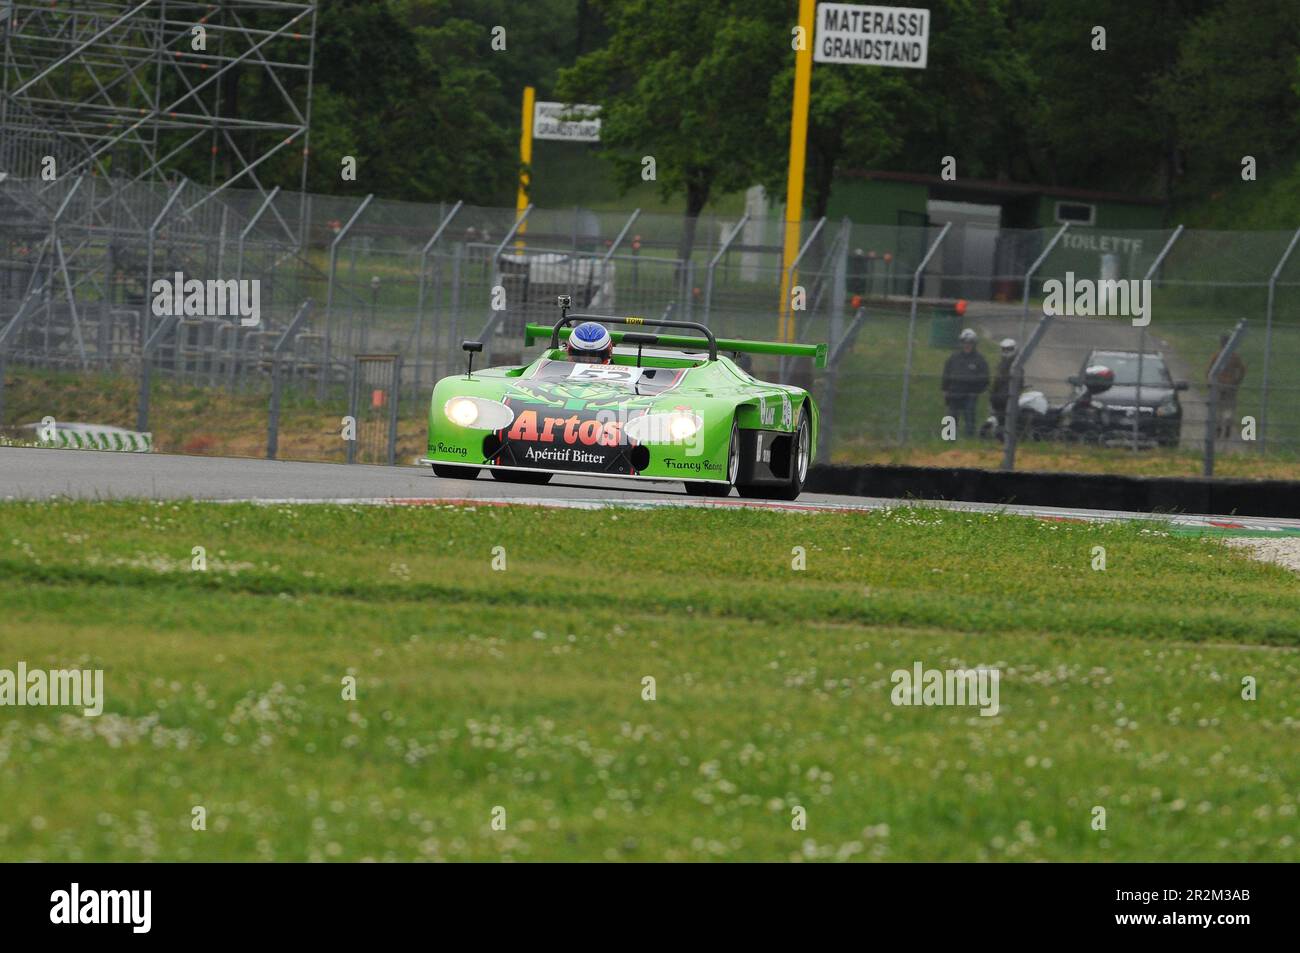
pixel 664 407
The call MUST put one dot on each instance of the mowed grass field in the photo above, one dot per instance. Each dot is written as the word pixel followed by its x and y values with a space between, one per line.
pixel 523 688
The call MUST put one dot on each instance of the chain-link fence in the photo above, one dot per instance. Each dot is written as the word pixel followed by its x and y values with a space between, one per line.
pixel 90 270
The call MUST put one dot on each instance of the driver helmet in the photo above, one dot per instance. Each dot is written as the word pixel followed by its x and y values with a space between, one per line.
pixel 590 343
pixel 1008 346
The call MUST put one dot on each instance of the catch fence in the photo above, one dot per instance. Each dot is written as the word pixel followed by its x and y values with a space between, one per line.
pixel 79 267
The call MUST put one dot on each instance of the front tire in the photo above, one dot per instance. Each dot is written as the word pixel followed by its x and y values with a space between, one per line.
pixel 531 477
pixel 695 488
pixel 455 473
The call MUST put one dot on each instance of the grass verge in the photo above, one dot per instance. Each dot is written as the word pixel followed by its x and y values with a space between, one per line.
pixel 523 688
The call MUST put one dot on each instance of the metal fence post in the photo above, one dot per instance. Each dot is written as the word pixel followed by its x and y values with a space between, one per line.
pixel 911 332
pixel 689 272
pixel 1024 314
pixel 329 291
pixel 618 240
pixel 221 239
pixel 371 319
pixel 457 261
pixel 493 316
pixel 273 417
pixel 233 351
pixel 392 411
pixel 9 330
pixel 794 268
pixel 713 264
pixel 787 307
pixel 622 234
pixel 145 323
pixel 1142 337
pixel 419 306
pixel 838 348
pixel 56 244
pixel 354 387
pixel 1211 417
pixel 146 357
pixel 1268 339
pixel 1011 435
pixel 839 280
pixel 243 234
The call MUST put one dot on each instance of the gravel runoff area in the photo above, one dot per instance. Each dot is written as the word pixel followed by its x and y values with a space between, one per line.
pixel 1284 550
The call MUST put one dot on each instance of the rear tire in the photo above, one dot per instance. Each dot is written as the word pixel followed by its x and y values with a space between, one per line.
pixel 800 460
pixel 696 488
pixel 455 473
pixel 532 477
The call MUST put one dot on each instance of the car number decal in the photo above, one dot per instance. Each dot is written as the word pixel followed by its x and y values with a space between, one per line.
pixel 606 373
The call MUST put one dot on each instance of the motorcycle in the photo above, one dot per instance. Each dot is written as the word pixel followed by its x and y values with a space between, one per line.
pixel 1078 420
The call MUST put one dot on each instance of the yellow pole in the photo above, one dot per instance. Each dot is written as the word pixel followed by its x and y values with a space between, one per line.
pixel 798 146
pixel 525 160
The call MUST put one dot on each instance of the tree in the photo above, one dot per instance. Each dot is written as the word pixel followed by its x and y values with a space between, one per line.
pixel 685 84
pixel 975 98
pixel 404 88
pixel 1228 94
pixel 1094 121
pixel 969 103
pixel 852 122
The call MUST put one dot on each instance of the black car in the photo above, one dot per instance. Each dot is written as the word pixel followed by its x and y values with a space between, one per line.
pixel 1159 412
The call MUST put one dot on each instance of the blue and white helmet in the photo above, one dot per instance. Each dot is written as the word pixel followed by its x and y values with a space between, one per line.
pixel 590 343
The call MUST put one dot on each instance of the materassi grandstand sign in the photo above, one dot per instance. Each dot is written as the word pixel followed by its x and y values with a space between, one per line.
pixel 571 122
pixel 872 36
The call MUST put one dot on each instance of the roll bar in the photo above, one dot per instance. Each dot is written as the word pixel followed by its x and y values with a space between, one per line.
pixel 566 318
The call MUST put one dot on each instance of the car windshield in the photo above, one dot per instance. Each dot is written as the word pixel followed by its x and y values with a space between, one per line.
pixel 587 379
pixel 1125 367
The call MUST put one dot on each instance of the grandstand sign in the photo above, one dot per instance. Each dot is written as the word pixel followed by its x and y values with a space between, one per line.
pixel 872 36
pixel 568 122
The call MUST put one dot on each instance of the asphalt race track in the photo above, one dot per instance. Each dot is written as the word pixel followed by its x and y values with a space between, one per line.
pixel 27 473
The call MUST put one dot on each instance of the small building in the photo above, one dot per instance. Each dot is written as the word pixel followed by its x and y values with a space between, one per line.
pixel 1000 224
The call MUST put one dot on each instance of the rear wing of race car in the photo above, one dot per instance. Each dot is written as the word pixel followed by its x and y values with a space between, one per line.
pixel 536 332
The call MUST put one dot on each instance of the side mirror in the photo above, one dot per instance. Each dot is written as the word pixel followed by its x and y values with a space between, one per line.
pixel 564 301
pixel 1181 385
pixel 470 348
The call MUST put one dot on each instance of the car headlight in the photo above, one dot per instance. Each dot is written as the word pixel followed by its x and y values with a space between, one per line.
pixel 682 426
pixel 478 413
pixel 1167 409
pixel 674 427
pixel 461 411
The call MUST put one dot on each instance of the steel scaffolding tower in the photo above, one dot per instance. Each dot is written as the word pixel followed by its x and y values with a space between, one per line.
pixel 122 125
pixel 131 91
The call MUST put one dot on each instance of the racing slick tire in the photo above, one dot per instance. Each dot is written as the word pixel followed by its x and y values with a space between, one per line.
pixel 800 458
pixel 696 488
pixel 455 473
pixel 533 477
